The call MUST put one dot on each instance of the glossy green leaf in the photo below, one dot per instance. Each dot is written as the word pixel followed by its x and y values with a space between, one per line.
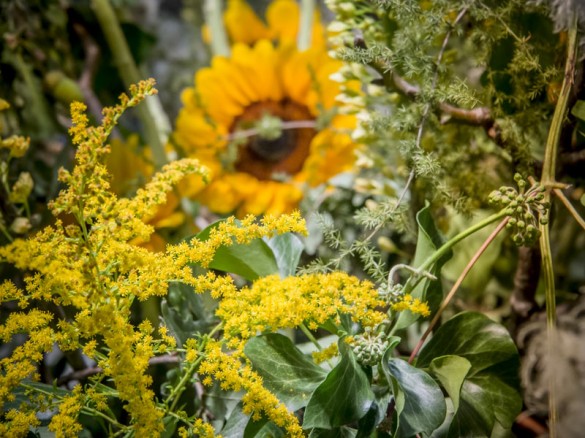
pixel 479 276
pixel 338 432
pixel 343 398
pixel 490 392
pixel 285 370
pixel 419 401
pixel 451 372
pixel 431 291
pixel 250 261
pixel 263 429
pixel 578 110
pixel 287 249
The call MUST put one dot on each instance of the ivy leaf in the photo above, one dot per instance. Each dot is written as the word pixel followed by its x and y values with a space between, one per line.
pixel 578 110
pixel 451 372
pixel 490 392
pixel 287 249
pixel 285 370
pixel 250 261
pixel 186 313
pixel 428 241
pixel 343 398
pixel 420 404
pixel 338 432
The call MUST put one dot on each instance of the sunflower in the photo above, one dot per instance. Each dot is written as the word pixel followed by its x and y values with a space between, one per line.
pixel 265 79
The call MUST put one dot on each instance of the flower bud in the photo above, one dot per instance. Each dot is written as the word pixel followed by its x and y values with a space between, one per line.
pixel 20 225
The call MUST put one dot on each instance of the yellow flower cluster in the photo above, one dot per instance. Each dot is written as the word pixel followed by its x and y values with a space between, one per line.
pixel 87 261
pixel 230 231
pixel 272 303
pixel 199 429
pixel 233 375
pixel 65 424
pixel 16 145
pixel 325 354
pixel 22 363
pixel 18 423
pixel 415 305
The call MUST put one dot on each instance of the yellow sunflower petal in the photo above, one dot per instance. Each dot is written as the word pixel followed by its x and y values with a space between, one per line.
pixel 260 201
pixel 171 221
pixel 283 18
pixel 242 24
pixel 286 199
pixel 296 74
pixel 127 165
pixel 196 136
pixel 331 153
pixel 217 100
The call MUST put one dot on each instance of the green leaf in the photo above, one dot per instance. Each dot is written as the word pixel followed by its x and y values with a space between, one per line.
pixel 285 370
pixel 490 392
pixel 428 241
pixel 343 398
pixel 451 372
pixel 338 432
pixel 186 312
pixel 287 249
pixel 250 261
pixel 420 404
pixel 20 395
pixel 262 429
pixel 578 110
pixel 479 276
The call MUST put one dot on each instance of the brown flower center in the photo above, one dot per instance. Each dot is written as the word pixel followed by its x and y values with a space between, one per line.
pixel 286 154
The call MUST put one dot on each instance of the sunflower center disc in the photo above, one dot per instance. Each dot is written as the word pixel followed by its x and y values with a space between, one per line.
pixel 263 158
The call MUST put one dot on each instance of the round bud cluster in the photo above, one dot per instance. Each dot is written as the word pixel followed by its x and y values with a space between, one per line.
pixel 525 208
pixel 369 348
pixel 391 293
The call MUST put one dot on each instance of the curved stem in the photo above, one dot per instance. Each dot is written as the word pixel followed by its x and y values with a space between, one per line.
pixel 305 34
pixel 214 20
pixel 155 123
pixel 451 242
pixel 548 180
pixel 455 287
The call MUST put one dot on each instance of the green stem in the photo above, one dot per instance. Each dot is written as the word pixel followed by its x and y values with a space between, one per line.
pixel 548 180
pixel 452 242
pixel 455 287
pixel 309 335
pixel 154 121
pixel 6 233
pixel 214 20
pixel 39 108
pixel 306 25
pixel 178 390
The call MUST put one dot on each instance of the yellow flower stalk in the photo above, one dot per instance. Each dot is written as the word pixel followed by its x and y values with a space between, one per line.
pixel 92 265
pixel 251 171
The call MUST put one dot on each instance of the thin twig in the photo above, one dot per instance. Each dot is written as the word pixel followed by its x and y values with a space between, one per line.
pixel 85 81
pixel 570 207
pixel 91 371
pixel 455 287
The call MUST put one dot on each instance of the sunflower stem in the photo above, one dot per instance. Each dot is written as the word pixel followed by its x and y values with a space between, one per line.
pixel 214 19
pixel 306 25
pixel 155 122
